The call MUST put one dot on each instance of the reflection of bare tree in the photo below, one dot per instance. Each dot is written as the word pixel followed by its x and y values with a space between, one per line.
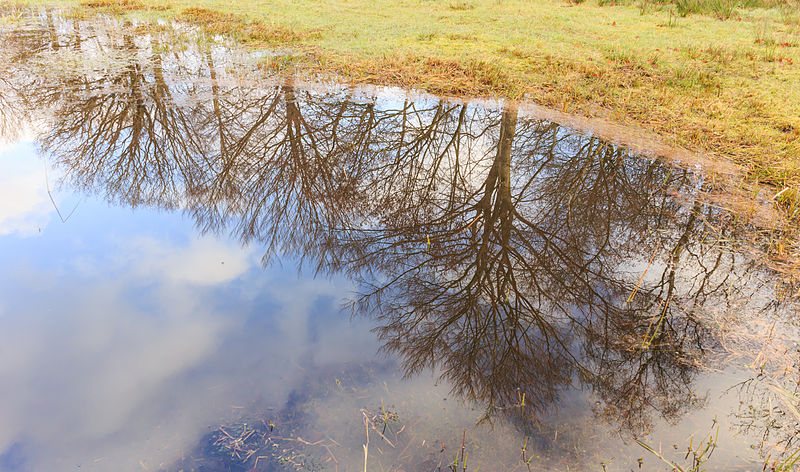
pixel 501 250
pixel 769 410
pixel 769 400
pixel 12 109
pixel 507 293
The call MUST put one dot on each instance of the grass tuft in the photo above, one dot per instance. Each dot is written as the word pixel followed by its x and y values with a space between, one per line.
pixel 216 22
pixel 462 6
pixel 113 6
pixel 435 75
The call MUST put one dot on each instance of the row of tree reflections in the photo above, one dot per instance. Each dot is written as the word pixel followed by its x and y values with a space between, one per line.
pixel 503 251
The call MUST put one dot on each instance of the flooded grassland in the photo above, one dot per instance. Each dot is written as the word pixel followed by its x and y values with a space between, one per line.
pixel 206 268
pixel 714 76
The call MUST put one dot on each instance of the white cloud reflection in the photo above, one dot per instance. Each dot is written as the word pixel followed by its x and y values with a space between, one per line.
pixel 205 261
pixel 24 204
pixel 125 367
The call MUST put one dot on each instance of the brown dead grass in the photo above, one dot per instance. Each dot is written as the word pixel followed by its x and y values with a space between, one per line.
pixel 434 75
pixel 114 6
pixel 216 22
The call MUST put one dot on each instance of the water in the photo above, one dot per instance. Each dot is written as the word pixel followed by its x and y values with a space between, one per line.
pixel 207 267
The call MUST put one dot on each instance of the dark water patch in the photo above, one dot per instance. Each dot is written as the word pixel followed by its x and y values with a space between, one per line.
pixel 531 284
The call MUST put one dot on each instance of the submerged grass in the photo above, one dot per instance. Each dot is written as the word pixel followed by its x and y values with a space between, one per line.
pixel 715 76
pixel 697 455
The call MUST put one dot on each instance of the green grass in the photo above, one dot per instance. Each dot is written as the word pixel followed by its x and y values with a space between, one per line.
pixel 715 76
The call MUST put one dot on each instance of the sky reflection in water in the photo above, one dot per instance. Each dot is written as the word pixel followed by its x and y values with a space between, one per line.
pixel 501 252
pixel 129 332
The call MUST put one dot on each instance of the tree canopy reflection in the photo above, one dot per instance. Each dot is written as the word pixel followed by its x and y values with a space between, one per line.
pixel 503 251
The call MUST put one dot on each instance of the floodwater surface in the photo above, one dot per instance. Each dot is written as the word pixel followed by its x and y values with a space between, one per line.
pixel 205 266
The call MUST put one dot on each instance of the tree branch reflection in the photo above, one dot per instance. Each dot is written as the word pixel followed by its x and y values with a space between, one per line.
pixel 500 250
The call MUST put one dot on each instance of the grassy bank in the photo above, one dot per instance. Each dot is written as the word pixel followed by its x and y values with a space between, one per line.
pixel 720 76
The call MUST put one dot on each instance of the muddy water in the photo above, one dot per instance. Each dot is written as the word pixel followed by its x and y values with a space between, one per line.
pixel 207 267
